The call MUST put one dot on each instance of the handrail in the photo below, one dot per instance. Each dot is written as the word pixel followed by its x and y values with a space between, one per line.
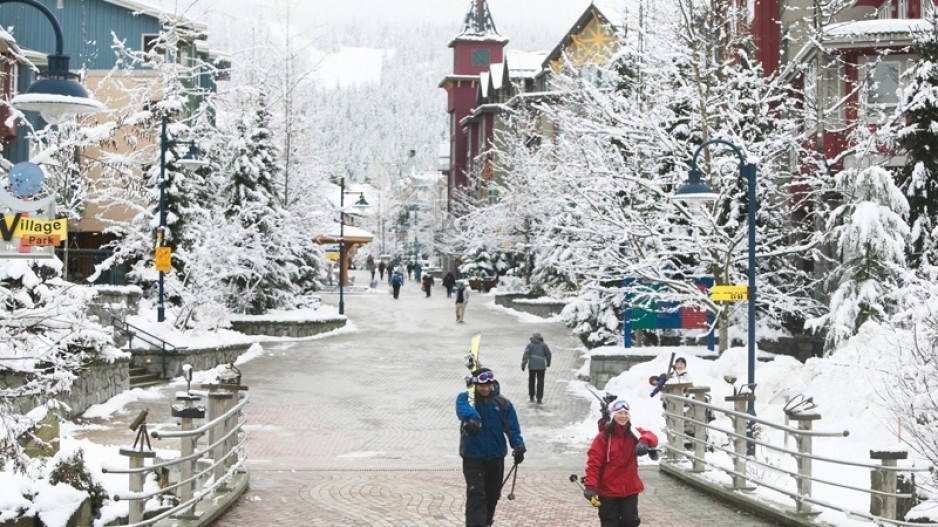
pixel 156 434
pixel 795 452
pixel 170 462
pixel 201 470
pixel 682 413
pixel 744 415
pixel 125 326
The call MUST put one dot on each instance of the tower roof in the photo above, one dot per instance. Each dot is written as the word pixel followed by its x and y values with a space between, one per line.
pixel 478 24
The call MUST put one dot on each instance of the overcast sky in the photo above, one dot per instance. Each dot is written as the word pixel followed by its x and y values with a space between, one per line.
pixel 552 16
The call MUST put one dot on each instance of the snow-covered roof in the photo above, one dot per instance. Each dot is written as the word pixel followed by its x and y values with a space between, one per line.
pixel 349 231
pixel 153 10
pixel 860 34
pixel 524 63
pixel 616 11
pixel 497 74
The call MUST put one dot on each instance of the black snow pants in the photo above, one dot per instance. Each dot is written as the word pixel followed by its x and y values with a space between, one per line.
pixel 619 512
pixel 483 488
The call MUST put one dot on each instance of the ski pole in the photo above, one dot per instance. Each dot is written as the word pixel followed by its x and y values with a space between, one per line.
pixel 594 501
pixel 512 469
pixel 511 494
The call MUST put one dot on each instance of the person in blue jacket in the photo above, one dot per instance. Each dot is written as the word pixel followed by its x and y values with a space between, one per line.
pixel 482 447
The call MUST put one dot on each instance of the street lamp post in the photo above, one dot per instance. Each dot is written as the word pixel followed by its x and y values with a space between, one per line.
pixel 56 96
pixel 342 273
pixel 695 189
pixel 190 160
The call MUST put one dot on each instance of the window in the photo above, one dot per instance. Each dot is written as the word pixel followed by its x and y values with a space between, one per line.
pixel 14 79
pixel 928 8
pixel 884 84
pixel 148 41
pixel 481 57
pixel 903 10
pixel 885 11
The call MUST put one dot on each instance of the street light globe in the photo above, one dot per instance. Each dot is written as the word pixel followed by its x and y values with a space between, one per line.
pixel 57 100
pixel 191 160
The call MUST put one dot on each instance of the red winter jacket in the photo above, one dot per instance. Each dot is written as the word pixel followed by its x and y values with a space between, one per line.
pixel 612 466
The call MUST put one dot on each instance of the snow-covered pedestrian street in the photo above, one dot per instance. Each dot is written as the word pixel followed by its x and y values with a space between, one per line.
pixel 359 428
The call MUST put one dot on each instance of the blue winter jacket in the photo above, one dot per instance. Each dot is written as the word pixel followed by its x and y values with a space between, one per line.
pixel 497 422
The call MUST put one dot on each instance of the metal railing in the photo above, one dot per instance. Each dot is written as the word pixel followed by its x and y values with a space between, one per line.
pixel 133 332
pixel 210 455
pixel 688 418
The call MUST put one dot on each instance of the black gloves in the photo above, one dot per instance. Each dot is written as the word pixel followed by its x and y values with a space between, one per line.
pixel 653 455
pixel 589 494
pixel 641 449
pixel 522 367
pixel 518 454
pixel 472 427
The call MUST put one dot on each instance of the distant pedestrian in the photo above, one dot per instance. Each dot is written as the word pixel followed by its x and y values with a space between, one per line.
pixel 482 447
pixel 390 273
pixel 426 284
pixel 418 270
pixel 330 274
pixel 370 265
pixel 381 268
pixel 537 359
pixel 449 282
pixel 410 269
pixel 462 298
pixel 612 468
pixel 397 280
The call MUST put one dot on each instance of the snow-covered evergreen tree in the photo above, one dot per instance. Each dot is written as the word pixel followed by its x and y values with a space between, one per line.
pixel 917 138
pixel 271 269
pixel 869 233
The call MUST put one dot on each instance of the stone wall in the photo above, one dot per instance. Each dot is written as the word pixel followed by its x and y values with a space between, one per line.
pixel 200 359
pixel 287 328
pixel 111 302
pixel 525 303
pixel 96 383
pixel 605 367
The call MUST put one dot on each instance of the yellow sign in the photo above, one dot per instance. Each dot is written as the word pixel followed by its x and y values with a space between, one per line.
pixel 19 226
pixel 164 259
pixel 729 297
pixel 729 289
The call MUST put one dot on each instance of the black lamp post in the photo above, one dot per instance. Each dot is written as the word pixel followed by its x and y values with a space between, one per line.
pixel 56 96
pixel 190 161
pixel 695 190
pixel 361 203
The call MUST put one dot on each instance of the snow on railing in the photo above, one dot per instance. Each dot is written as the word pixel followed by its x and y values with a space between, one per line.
pixel 688 418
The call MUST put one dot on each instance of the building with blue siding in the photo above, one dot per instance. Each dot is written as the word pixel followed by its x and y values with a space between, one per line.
pixel 89 29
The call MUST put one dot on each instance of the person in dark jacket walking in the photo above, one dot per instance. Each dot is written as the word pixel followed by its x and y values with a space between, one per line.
pixel 426 283
pixel 397 280
pixel 484 427
pixel 537 359
pixel 418 271
pixel 612 468
pixel 381 268
pixel 449 282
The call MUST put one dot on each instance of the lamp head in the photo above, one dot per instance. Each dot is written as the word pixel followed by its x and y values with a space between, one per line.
pixel 694 190
pixel 57 97
pixel 191 160
pixel 362 202
pixel 730 379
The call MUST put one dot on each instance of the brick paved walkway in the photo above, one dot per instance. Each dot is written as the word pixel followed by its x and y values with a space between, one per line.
pixel 359 428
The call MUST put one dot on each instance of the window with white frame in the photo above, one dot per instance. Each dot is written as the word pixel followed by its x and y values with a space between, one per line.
pixel 903 9
pixel 883 84
pixel 928 8
pixel 14 79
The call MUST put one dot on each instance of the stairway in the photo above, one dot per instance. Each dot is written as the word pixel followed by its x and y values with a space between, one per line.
pixel 140 378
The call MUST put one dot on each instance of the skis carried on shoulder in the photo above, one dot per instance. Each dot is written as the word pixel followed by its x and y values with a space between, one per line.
pixel 473 364
pixel 658 381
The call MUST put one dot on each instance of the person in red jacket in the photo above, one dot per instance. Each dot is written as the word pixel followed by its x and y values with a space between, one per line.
pixel 612 468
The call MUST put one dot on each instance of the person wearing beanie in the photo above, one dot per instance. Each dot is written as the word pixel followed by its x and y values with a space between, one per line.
pixel 612 468
pixel 484 427
pixel 537 359
pixel 680 375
